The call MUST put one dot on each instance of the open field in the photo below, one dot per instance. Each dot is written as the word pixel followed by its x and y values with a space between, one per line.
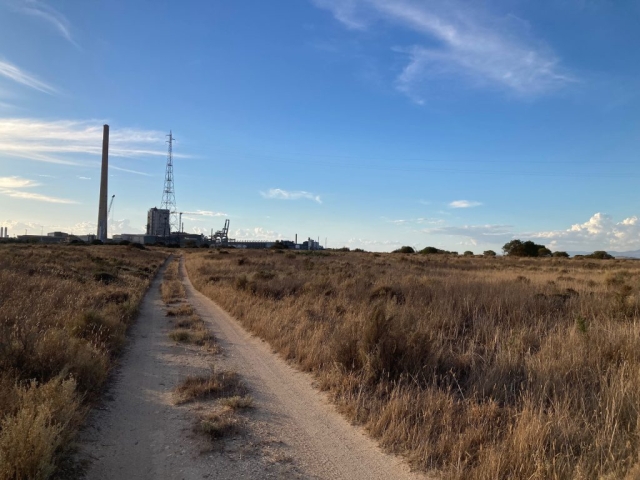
pixel 64 312
pixel 477 367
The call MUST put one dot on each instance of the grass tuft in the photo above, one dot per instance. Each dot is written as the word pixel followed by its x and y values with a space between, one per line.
pixel 218 384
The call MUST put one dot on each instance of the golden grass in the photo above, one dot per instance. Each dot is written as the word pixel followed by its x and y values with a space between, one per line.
pixel 476 367
pixel 171 288
pixel 64 312
pixel 190 328
pixel 217 384
pixel 182 310
pixel 237 402
pixel 219 424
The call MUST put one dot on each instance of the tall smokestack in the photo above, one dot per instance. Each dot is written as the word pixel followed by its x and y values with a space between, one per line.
pixel 104 179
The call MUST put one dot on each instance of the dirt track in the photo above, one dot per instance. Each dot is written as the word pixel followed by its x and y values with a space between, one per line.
pixel 292 433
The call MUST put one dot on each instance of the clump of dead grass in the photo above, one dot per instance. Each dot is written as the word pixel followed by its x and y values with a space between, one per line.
pixel 182 310
pixel 237 402
pixel 217 384
pixel 171 288
pixel 219 424
pixel 192 329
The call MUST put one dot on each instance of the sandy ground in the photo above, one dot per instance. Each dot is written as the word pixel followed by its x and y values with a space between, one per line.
pixel 293 431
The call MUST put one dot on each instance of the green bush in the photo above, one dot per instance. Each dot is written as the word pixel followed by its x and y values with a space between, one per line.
pixel 404 249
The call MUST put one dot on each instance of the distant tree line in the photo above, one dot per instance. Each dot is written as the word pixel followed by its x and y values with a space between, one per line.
pixel 514 248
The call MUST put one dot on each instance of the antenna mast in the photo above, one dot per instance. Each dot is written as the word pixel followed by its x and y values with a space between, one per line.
pixel 169 194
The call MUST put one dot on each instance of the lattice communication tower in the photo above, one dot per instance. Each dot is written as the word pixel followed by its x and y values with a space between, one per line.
pixel 169 194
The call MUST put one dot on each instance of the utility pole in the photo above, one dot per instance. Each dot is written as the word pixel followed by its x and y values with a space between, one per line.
pixel 169 194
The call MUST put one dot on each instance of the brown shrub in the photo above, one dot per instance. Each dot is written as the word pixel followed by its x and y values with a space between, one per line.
pixel 216 385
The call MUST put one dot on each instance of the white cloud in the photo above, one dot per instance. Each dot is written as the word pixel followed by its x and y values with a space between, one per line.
pixel 484 49
pixel 69 142
pixel 115 227
pixel 600 232
pixel 257 233
pixel 473 231
pixel 49 14
pixel 12 187
pixel 14 73
pixel 128 170
pixel 464 204
pixel 33 196
pixel 17 182
pixel 206 213
pixel 80 177
pixel 422 220
pixel 279 194
pixel 367 244
pixel 345 11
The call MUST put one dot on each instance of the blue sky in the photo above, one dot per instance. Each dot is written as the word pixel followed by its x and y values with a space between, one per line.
pixel 371 123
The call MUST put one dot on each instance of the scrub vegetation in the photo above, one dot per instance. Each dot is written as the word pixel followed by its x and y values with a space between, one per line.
pixel 188 326
pixel 476 367
pixel 171 287
pixel 64 313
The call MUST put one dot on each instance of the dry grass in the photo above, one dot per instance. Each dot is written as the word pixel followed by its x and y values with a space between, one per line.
pixel 190 328
pixel 478 367
pixel 63 317
pixel 231 397
pixel 182 310
pixel 218 384
pixel 237 402
pixel 219 424
pixel 171 288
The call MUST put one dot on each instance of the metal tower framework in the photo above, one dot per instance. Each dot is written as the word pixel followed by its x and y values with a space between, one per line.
pixel 169 194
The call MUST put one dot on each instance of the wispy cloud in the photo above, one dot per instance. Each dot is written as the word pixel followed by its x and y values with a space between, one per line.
pixel 472 231
pixel 127 170
pixel 33 196
pixel 70 142
pixel 17 182
pixel 279 194
pixel 17 75
pixel 418 221
pixel 12 187
pixel 470 44
pixel 345 11
pixel 206 213
pixel 47 13
pixel 464 204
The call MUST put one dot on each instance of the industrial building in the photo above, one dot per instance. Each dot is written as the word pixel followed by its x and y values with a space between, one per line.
pixel 164 224
pixel 159 222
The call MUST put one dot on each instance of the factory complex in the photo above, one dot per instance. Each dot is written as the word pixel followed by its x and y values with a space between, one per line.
pixel 164 224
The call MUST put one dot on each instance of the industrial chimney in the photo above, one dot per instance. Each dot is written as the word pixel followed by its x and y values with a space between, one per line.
pixel 104 179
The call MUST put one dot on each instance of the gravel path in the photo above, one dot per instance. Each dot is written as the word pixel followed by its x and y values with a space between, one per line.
pixel 293 431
